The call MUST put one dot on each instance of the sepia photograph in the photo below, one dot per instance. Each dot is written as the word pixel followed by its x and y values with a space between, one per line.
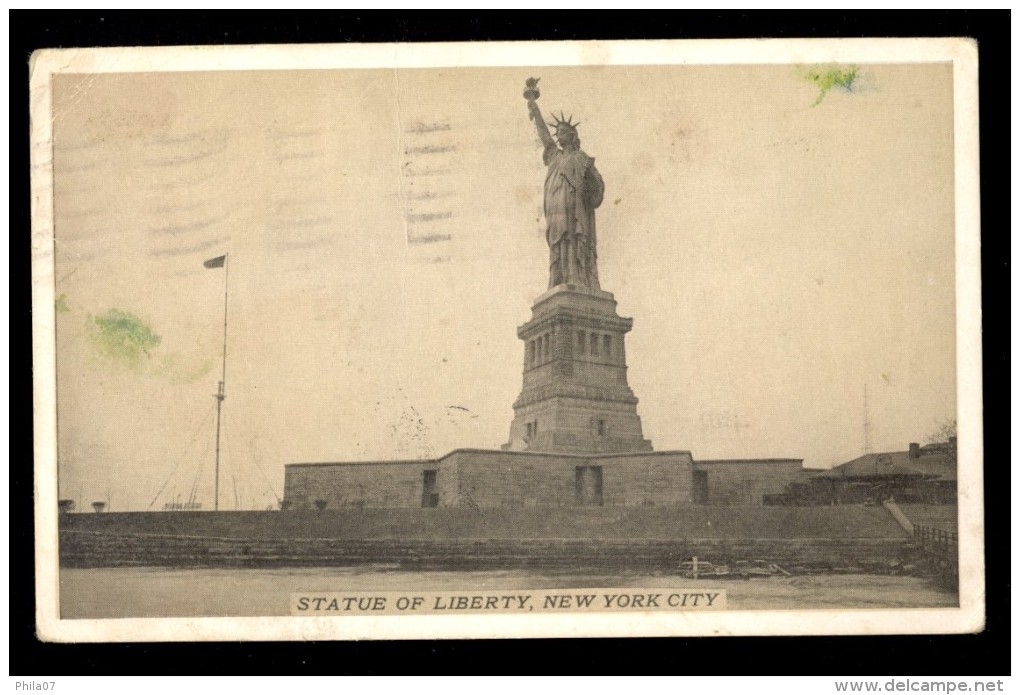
pixel 507 340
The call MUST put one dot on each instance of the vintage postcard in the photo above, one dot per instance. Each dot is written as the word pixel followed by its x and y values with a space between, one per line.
pixel 507 340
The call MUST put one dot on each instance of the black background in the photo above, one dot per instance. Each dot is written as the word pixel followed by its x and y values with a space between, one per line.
pixel 982 654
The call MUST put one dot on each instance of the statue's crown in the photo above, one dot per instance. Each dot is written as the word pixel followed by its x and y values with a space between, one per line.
pixel 562 122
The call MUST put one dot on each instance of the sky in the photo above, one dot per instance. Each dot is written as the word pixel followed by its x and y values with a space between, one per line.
pixel 780 249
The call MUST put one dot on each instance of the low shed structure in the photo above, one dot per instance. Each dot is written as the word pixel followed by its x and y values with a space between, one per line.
pixel 920 475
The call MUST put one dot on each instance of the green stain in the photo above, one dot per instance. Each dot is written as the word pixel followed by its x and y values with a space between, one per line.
pixel 181 372
pixel 825 77
pixel 122 337
pixel 61 304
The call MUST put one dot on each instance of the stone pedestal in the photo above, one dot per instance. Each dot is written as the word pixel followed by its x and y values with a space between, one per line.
pixel 575 397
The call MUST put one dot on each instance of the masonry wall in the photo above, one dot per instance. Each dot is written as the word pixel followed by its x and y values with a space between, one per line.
pixel 744 482
pixel 490 479
pixel 646 480
pixel 487 479
pixel 840 522
pixel 360 485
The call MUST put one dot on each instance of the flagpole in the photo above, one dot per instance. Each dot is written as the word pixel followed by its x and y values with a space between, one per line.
pixel 221 392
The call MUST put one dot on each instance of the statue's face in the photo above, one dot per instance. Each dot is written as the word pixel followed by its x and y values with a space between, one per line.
pixel 567 138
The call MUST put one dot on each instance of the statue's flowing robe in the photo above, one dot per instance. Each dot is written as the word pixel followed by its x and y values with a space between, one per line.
pixel 573 189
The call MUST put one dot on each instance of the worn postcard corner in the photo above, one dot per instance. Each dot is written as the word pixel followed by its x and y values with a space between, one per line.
pixel 507 340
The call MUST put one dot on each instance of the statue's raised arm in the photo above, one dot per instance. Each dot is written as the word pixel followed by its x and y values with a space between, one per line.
pixel 573 189
pixel 531 93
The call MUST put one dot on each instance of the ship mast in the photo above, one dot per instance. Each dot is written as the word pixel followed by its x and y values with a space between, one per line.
pixel 221 392
pixel 867 422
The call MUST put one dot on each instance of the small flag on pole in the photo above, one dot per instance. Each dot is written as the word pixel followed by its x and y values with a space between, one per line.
pixel 217 262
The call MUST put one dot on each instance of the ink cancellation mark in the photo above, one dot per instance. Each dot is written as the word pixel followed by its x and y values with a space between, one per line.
pixel 427 157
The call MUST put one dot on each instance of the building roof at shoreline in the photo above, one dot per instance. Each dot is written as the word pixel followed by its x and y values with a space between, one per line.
pixel 931 462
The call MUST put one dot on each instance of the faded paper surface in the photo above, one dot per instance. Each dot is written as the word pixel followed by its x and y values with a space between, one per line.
pixel 786 238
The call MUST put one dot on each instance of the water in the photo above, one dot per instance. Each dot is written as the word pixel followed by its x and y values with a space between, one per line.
pixel 158 592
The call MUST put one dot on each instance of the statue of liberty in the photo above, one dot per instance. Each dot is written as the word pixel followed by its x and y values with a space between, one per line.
pixel 573 189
